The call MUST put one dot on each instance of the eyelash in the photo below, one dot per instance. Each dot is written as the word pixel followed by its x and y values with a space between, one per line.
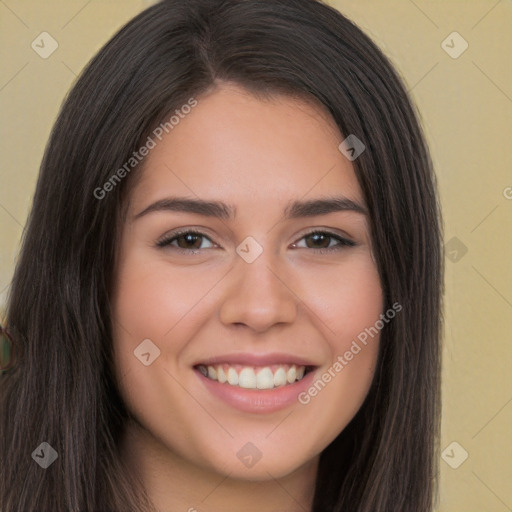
pixel 167 240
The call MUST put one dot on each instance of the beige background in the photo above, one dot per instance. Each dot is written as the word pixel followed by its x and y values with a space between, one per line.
pixel 466 107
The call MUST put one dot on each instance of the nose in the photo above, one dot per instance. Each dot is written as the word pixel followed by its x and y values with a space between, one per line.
pixel 258 295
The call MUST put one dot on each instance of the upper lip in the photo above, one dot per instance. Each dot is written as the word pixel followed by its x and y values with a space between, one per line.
pixel 248 359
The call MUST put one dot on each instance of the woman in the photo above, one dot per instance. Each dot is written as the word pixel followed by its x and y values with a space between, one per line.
pixel 259 371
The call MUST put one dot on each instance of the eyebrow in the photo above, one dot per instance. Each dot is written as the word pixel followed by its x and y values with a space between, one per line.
pixel 220 210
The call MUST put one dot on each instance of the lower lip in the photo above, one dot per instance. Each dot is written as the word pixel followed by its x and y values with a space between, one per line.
pixel 256 400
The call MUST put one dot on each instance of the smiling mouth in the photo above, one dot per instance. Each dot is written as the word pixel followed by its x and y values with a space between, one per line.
pixel 255 377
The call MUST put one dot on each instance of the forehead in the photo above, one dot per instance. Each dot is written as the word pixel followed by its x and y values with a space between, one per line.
pixel 247 150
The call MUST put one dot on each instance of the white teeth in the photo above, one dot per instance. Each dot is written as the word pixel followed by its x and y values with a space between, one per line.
pixel 280 377
pixel 221 376
pixel 265 379
pixel 291 375
pixel 249 377
pixel 232 377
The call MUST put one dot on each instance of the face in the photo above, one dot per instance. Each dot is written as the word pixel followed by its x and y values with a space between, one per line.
pixel 239 296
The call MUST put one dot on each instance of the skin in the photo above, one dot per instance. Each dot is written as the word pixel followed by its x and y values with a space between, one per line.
pixel 257 155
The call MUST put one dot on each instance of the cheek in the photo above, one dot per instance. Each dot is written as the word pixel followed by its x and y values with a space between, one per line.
pixel 346 300
pixel 348 305
pixel 155 301
pixel 147 307
pixel 152 296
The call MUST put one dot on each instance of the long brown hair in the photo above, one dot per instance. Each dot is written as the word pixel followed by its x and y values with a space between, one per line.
pixel 61 389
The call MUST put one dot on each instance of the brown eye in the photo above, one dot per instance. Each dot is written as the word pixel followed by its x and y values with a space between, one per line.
pixel 185 241
pixel 189 241
pixel 320 240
